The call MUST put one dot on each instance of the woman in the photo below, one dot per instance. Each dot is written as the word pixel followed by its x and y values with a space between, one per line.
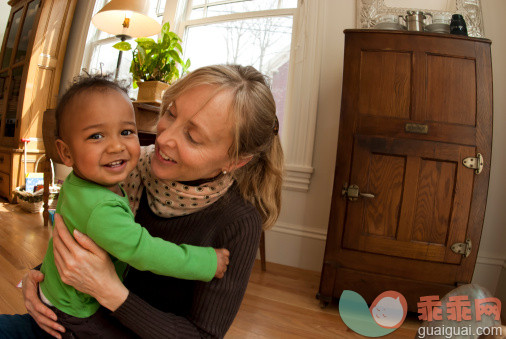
pixel 217 124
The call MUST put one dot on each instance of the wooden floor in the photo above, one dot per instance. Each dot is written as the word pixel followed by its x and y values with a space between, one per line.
pixel 279 303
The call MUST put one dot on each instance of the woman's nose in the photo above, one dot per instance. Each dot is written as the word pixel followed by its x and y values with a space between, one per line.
pixel 166 137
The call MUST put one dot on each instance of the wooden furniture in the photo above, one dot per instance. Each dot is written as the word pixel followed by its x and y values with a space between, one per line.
pixel 415 107
pixel 146 117
pixel 31 61
pixel 49 137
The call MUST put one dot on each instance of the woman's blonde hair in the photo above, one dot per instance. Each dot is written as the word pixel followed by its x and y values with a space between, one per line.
pixel 256 131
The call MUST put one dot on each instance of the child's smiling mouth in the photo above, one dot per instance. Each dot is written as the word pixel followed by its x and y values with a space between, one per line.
pixel 115 164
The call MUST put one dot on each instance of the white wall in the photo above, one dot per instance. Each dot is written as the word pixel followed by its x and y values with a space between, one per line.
pixel 5 11
pixel 492 253
pixel 298 239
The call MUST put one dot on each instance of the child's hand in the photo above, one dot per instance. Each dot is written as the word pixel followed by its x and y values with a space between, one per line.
pixel 222 254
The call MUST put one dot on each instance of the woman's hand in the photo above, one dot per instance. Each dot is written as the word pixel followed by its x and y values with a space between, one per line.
pixel 86 267
pixel 43 316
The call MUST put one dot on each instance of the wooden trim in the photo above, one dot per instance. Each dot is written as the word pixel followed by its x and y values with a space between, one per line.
pixel 439 35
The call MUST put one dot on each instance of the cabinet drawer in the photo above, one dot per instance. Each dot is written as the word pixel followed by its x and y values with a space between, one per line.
pixel 4 185
pixel 5 162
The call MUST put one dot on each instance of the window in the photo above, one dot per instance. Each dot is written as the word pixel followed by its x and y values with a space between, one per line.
pixel 246 32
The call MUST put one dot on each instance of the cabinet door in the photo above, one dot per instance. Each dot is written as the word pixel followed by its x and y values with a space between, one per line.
pixel 422 196
pixel 414 107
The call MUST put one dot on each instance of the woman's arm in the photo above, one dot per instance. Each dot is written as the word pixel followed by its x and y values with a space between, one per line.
pixel 85 266
pixel 214 304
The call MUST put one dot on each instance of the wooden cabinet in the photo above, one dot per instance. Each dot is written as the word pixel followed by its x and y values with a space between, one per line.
pixel 414 107
pixel 146 117
pixel 31 61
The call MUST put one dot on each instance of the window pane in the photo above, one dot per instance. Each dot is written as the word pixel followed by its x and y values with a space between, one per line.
pixel 26 32
pixel 197 14
pixel 16 22
pixel 160 7
pixel 3 80
pixel 106 55
pixel 197 2
pixel 12 102
pixel 263 43
pixel 239 7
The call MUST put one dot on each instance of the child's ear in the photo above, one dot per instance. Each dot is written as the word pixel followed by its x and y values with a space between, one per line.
pixel 64 152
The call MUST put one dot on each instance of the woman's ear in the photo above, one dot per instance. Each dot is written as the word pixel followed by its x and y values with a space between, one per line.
pixel 240 163
pixel 64 152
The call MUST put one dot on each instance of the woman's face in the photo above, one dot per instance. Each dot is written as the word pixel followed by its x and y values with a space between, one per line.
pixel 194 135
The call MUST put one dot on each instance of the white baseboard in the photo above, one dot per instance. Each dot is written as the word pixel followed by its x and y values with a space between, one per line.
pixel 300 230
pixel 303 246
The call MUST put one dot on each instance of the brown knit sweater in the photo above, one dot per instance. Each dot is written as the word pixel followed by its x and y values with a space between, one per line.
pixel 165 307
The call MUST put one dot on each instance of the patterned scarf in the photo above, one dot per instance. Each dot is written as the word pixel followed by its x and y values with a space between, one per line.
pixel 170 198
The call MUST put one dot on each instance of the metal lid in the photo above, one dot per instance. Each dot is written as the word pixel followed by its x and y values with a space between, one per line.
pixel 415 13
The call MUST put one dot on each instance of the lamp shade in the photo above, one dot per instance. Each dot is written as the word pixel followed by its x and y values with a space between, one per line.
pixel 111 19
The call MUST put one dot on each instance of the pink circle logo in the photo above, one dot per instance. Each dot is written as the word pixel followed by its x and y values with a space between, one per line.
pixel 389 309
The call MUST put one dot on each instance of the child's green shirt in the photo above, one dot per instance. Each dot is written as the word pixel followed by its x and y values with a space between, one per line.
pixel 107 219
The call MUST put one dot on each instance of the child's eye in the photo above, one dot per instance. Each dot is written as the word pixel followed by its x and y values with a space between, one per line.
pixel 95 136
pixel 127 132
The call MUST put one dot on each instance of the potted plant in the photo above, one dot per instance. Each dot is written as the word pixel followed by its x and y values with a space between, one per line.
pixel 155 64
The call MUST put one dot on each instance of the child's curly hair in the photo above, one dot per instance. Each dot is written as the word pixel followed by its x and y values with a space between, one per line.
pixel 82 83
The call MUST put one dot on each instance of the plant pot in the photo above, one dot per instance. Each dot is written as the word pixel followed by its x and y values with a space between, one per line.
pixel 151 91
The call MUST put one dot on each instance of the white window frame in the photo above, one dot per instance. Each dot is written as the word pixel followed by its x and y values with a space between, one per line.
pixel 299 123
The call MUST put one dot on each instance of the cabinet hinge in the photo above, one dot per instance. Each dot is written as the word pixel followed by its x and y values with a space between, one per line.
pixel 463 248
pixel 475 163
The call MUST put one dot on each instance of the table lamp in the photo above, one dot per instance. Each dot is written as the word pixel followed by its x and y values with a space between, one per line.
pixel 126 19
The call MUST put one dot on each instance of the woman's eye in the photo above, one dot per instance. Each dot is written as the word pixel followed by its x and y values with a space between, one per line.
pixel 127 132
pixel 189 136
pixel 95 136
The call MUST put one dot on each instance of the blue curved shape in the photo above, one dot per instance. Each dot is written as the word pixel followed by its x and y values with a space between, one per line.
pixel 356 315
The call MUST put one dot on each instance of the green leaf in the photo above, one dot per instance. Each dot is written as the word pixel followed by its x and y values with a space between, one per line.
pixel 176 57
pixel 178 47
pixel 141 55
pixel 166 28
pixel 146 43
pixel 122 46
pixel 174 36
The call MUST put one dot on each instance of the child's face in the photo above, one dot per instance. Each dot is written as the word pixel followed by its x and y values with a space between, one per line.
pixel 100 136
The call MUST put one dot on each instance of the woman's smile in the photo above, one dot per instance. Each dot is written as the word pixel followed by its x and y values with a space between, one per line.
pixel 163 156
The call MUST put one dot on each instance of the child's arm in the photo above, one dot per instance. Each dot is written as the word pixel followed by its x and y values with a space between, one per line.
pixel 113 228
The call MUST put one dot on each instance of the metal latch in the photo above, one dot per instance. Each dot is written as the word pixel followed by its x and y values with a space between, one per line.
pixel 352 193
pixel 475 163
pixel 462 248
